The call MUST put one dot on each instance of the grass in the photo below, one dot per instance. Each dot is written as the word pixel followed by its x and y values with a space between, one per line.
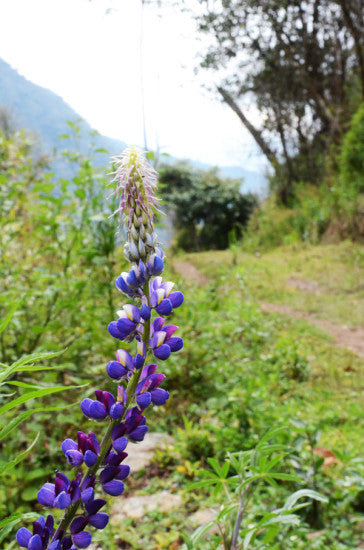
pixel 337 272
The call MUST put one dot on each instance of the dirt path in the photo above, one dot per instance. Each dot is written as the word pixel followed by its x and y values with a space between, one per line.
pixel 351 338
pixel 190 272
pixel 348 337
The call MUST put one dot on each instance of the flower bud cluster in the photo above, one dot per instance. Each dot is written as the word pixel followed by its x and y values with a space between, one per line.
pixel 99 464
pixel 136 182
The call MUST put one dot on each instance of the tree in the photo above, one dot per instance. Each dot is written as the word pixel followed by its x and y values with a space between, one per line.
pixel 297 62
pixel 207 208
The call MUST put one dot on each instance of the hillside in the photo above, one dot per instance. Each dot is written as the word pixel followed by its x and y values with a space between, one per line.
pixel 46 114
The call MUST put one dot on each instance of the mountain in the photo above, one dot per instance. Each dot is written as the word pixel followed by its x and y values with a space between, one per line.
pixel 45 114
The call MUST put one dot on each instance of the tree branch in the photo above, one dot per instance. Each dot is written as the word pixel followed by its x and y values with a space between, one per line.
pixel 257 135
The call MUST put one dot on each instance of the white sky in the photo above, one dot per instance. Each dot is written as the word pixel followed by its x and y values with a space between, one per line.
pixel 89 54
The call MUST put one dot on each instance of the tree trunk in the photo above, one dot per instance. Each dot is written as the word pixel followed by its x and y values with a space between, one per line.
pixel 257 135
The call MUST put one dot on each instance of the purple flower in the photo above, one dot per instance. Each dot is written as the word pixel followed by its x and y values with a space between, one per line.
pixel 147 390
pixel 86 449
pixel 38 540
pixel 161 297
pixel 162 340
pixel 92 516
pixel 62 493
pixel 125 327
pixel 104 405
pixel 134 427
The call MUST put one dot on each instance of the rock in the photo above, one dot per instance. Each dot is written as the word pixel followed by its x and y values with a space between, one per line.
pixel 203 516
pixel 135 507
pixel 140 454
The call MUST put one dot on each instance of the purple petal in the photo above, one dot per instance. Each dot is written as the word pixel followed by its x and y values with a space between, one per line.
pixel 165 307
pixel 97 411
pixel 175 343
pixel 170 330
pixel 162 352
pixel 74 458
pixel 157 324
pixel 23 537
pixel 78 524
pixel 153 299
pixel 116 411
pixel 124 471
pixel 62 501
pixel 139 433
pixel 115 370
pixel 90 458
pixel 46 494
pixel 114 487
pixel 121 285
pixel 148 370
pixel 145 312
pixel 82 540
pixel 156 379
pixel 159 396
pixel 87 495
pixel 124 358
pixel 114 331
pixel 35 543
pixel 131 279
pixel 85 406
pixel 56 545
pixel 176 298
pixel 125 327
pixel 69 445
pixel 138 361
pixel 99 520
pixel 144 400
pixel 94 506
pixel 119 444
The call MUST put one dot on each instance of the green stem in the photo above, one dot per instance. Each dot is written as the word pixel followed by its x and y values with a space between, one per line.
pixel 106 442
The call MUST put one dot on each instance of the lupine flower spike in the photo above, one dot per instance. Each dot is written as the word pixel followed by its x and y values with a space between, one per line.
pixel 98 460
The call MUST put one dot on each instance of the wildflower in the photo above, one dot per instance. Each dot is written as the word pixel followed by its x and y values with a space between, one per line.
pixel 137 386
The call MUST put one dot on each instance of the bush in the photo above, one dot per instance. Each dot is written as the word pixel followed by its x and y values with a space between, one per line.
pixel 351 162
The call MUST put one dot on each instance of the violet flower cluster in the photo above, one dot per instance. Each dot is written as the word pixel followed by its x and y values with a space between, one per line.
pixel 98 464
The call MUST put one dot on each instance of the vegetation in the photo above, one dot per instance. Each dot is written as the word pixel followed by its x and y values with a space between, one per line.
pixel 242 371
pixel 206 209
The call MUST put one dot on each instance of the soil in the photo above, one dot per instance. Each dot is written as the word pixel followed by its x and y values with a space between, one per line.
pixel 351 338
pixel 190 272
pixel 348 337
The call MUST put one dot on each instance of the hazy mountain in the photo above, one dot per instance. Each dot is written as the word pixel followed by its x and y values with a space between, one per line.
pixel 44 113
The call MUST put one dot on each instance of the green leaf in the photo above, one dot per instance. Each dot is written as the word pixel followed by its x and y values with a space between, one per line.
pixel 5 467
pixel 17 366
pixel 285 477
pixel 6 430
pixel 292 499
pixel 4 323
pixel 33 395
pixel 150 155
pixel 200 531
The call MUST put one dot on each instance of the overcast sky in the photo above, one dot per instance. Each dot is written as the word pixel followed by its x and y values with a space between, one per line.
pixel 88 52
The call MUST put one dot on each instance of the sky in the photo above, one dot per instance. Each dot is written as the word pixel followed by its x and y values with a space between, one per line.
pixel 89 53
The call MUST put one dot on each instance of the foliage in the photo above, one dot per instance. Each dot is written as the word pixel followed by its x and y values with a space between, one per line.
pixel 246 370
pixel 300 64
pixel 206 207
pixel 251 468
pixel 352 153
pixel 11 419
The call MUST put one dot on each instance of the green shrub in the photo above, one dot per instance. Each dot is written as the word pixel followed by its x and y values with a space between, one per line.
pixel 351 162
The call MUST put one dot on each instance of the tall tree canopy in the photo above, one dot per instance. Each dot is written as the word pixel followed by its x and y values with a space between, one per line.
pixel 298 62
